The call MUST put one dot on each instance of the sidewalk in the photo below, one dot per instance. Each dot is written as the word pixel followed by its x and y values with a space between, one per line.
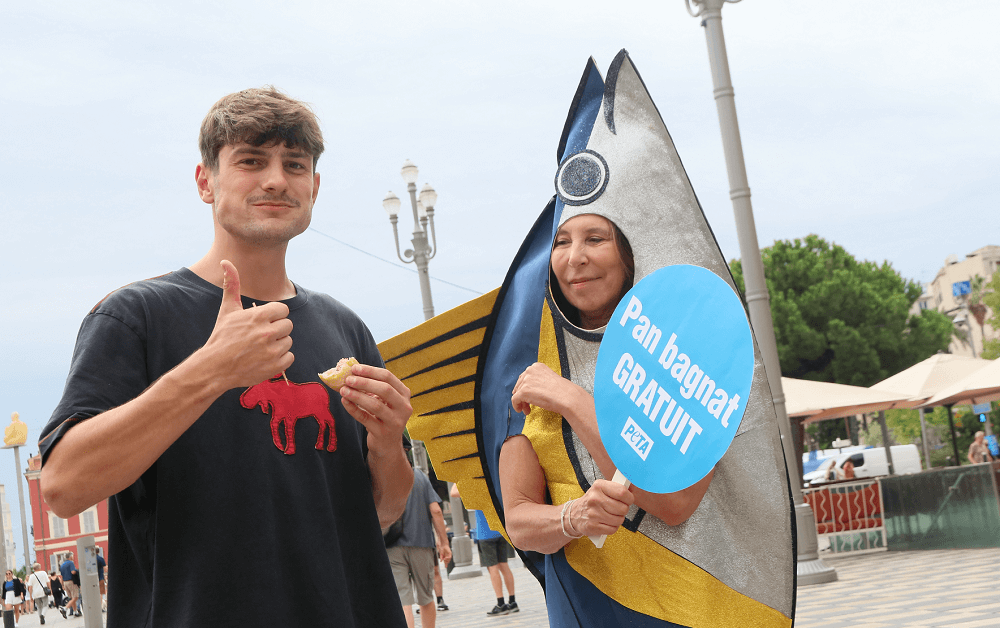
pixel 938 588
pixel 932 589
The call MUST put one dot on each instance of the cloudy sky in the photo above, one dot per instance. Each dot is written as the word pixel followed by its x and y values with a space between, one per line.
pixel 873 125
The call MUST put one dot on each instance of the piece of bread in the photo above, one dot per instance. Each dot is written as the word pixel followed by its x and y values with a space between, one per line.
pixel 334 378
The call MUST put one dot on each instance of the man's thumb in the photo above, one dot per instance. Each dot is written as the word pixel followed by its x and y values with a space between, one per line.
pixel 230 287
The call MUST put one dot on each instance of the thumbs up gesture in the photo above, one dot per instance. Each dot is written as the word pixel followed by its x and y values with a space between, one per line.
pixel 248 346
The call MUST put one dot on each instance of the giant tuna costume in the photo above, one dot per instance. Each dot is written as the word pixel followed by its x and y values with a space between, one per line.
pixel 732 563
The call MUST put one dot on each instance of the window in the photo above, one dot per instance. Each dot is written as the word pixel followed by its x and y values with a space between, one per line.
pixel 57 526
pixel 88 521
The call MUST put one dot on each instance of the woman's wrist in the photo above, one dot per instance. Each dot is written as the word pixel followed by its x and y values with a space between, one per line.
pixel 567 527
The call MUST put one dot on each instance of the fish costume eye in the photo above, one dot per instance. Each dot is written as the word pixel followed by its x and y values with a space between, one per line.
pixel 582 178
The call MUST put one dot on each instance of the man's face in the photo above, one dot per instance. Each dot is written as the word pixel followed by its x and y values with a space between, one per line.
pixel 260 195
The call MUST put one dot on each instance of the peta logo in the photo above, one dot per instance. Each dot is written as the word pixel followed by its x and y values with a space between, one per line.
pixel 636 438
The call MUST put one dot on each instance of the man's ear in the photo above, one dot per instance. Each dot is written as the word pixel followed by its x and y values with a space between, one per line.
pixel 203 178
pixel 315 186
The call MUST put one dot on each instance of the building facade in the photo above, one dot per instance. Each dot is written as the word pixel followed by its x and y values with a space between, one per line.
pixel 54 536
pixel 945 294
pixel 8 530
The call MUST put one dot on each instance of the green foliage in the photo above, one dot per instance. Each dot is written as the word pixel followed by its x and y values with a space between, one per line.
pixel 21 572
pixel 840 320
pixel 991 299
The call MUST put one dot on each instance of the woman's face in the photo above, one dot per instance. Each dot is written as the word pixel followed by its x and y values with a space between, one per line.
pixel 589 270
pixel 10 575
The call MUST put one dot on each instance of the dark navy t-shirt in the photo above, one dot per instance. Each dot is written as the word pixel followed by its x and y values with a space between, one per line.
pixel 228 506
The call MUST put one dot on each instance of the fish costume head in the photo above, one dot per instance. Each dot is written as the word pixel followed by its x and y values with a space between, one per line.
pixel 732 563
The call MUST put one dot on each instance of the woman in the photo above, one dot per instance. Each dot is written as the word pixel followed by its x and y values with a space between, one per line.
pixel 13 595
pixel 591 269
pixel 58 595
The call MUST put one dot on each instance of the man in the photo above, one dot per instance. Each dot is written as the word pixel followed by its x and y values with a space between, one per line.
pixel 412 557
pixel 493 555
pixel 38 581
pixel 979 451
pixel 67 569
pixel 185 404
pixel 101 564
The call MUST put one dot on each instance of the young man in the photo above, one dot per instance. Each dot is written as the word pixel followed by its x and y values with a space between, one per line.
pixel 185 404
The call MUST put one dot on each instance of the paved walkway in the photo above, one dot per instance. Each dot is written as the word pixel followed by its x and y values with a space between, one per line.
pixel 932 589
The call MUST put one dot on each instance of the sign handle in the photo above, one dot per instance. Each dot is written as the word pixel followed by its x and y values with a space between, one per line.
pixel 618 479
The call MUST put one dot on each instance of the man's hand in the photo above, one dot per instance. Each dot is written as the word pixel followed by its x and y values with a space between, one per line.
pixel 379 401
pixel 444 553
pixel 249 345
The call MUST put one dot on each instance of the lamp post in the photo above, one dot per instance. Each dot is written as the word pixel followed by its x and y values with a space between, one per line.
pixel 810 569
pixel 422 252
pixel 423 220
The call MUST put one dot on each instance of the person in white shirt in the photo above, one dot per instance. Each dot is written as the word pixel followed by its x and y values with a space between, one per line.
pixel 38 582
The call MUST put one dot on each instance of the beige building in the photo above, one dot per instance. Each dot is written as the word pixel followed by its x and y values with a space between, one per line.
pixel 940 295
pixel 8 530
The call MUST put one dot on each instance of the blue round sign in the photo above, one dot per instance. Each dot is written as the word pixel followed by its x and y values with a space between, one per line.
pixel 673 377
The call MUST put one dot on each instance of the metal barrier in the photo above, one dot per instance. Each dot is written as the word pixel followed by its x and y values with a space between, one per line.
pixel 952 507
pixel 848 515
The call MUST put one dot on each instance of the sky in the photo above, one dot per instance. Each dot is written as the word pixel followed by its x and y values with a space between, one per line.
pixel 873 125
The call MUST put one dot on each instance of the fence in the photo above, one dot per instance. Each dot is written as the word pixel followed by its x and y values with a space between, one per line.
pixel 849 515
pixel 953 507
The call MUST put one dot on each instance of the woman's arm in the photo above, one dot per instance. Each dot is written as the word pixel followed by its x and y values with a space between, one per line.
pixel 535 525
pixel 540 386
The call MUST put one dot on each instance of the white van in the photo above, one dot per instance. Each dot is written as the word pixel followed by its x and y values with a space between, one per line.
pixel 870 463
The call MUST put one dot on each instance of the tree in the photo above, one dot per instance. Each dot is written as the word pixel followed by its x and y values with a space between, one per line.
pixel 991 298
pixel 837 319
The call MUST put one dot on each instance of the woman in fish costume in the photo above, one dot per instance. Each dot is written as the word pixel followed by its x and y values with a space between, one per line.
pixel 721 553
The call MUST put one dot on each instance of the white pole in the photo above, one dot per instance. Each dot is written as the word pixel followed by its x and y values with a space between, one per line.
pixel 811 569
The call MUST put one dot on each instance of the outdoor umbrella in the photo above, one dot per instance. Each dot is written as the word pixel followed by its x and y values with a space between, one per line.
pixel 925 379
pixel 816 401
pixel 807 401
pixel 980 387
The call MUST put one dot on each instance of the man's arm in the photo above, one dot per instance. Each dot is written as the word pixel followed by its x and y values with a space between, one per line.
pixel 379 401
pixel 107 453
pixel 443 547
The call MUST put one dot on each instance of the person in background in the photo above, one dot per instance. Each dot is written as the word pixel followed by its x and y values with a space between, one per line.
pixel 979 451
pixel 101 564
pixel 13 595
pixel 38 581
pixel 412 556
pixel 58 595
pixel 66 570
pixel 493 553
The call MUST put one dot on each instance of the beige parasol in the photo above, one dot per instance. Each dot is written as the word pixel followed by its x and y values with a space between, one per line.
pixel 815 401
pixel 925 379
pixel 981 386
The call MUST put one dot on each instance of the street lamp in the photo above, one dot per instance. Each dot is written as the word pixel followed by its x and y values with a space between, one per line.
pixel 811 569
pixel 423 221
pixel 421 253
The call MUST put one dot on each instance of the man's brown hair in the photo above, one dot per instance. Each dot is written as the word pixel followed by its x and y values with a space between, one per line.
pixel 259 116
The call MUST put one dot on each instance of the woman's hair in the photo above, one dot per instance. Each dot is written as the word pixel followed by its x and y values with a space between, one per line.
pixel 627 260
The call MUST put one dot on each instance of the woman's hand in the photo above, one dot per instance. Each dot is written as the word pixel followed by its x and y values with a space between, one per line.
pixel 601 510
pixel 540 386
